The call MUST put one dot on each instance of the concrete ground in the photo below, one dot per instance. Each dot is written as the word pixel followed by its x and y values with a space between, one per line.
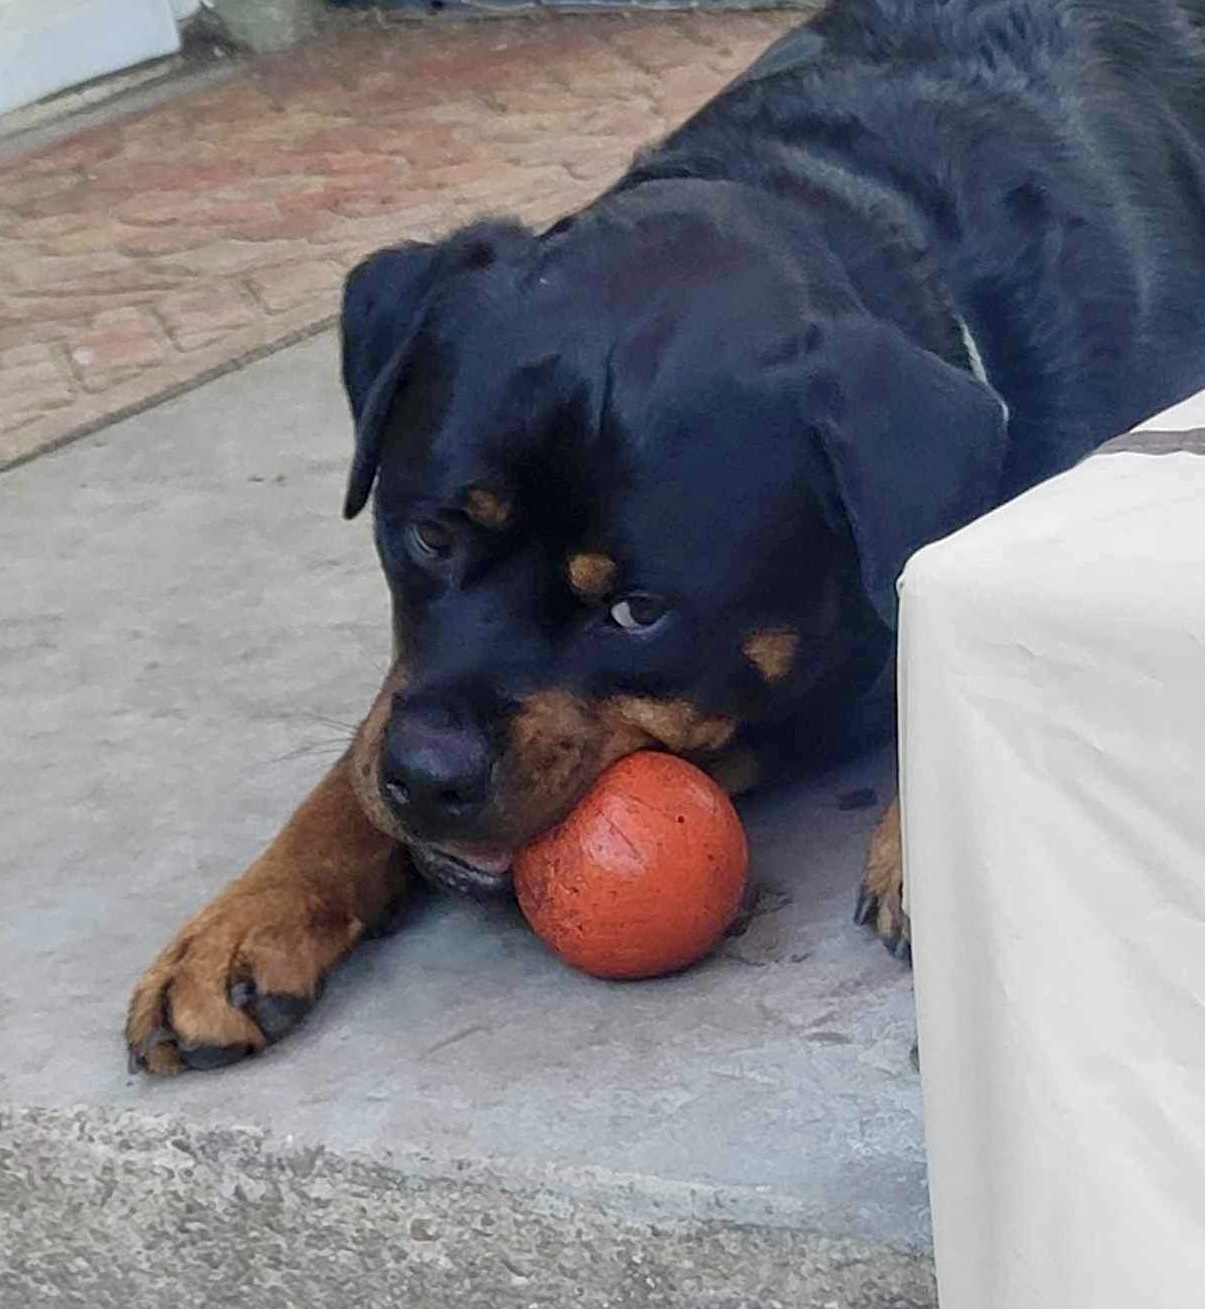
pixel 187 633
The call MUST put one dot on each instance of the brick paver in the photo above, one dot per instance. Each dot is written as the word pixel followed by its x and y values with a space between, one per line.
pixel 141 256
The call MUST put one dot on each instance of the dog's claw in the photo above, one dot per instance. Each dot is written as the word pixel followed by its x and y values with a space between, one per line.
pixel 901 950
pixel 896 937
pixel 205 1058
pixel 139 1054
pixel 275 1014
pixel 278 1014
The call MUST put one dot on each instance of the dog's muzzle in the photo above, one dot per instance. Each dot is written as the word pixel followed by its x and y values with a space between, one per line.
pixel 480 874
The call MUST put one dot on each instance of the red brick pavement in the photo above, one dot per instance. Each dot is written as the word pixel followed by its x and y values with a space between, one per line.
pixel 138 257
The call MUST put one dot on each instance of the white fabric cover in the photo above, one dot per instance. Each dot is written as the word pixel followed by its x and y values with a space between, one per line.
pixel 1052 676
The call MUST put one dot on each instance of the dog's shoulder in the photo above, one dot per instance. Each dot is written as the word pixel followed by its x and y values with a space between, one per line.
pixel 1048 156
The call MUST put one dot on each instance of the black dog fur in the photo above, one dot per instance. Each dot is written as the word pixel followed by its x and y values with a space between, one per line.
pixel 742 373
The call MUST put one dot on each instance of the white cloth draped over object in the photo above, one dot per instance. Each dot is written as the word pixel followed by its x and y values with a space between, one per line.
pixel 1052 701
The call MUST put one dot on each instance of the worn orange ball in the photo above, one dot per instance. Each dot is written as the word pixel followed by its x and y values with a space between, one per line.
pixel 643 877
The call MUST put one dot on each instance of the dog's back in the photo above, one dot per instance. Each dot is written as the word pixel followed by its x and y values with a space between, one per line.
pixel 1048 156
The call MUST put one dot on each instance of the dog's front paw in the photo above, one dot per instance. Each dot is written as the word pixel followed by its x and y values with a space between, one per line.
pixel 881 896
pixel 238 976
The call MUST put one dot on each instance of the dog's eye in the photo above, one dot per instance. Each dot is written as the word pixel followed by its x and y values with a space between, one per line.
pixel 637 613
pixel 431 539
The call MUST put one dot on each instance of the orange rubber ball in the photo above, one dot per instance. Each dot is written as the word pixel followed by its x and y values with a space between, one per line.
pixel 643 877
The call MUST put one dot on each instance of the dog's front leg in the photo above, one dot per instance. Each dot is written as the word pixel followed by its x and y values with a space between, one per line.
pixel 251 963
pixel 881 898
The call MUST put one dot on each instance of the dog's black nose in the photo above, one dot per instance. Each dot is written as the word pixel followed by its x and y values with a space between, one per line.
pixel 435 767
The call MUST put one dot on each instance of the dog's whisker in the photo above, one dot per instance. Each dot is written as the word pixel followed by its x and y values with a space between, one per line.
pixel 313 750
pixel 327 721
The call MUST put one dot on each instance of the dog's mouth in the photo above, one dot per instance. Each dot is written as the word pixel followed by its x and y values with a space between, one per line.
pixel 468 871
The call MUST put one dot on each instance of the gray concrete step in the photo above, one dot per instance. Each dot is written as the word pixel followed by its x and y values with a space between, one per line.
pixel 187 635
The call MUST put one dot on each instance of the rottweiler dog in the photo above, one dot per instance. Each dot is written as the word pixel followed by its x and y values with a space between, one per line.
pixel 648 478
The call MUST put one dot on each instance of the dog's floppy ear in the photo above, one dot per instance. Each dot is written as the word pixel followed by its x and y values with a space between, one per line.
pixel 915 445
pixel 385 300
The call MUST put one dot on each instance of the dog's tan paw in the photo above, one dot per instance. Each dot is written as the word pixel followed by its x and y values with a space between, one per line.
pixel 239 976
pixel 881 896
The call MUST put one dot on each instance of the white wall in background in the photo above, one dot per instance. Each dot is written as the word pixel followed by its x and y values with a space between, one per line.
pixel 48 45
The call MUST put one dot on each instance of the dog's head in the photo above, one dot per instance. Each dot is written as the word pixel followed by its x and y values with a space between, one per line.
pixel 641 481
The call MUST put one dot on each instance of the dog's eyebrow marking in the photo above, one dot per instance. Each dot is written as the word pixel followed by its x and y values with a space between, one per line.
pixel 772 652
pixel 488 508
pixel 592 575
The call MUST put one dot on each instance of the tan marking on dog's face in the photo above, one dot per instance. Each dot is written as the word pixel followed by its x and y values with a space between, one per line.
pixel 558 746
pixel 366 754
pixel 675 724
pixel 772 652
pixel 488 508
pixel 592 575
